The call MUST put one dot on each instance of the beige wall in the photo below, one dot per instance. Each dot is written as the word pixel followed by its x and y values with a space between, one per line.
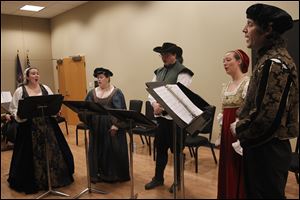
pixel 30 35
pixel 121 36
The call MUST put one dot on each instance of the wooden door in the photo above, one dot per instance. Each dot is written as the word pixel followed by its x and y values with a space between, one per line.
pixel 72 84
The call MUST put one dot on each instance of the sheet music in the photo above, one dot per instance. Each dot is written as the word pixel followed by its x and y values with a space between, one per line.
pixel 177 104
pixel 184 99
pixel 6 97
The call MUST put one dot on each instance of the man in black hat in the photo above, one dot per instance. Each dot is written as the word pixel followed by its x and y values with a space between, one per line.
pixel 172 72
pixel 269 116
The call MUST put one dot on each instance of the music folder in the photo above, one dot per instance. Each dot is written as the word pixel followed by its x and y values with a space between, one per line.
pixel 38 106
pixel 189 111
pixel 125 115
pixel 87 107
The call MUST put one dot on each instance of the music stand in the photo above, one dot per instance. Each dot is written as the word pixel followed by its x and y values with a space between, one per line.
pixel 5 101
pixel 197 124
pixel 130 118
pixel 86 107
pixel 42 106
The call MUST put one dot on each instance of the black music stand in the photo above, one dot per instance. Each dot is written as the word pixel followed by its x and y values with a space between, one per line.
pixel 86 107
pixel 42 106
pixel 130 119
pixel 196 125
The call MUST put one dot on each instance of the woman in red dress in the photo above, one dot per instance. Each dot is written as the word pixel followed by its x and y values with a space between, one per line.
pixel 230 179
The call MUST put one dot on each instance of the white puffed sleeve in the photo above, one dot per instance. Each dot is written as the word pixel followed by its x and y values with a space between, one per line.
pixel 150 98
pixel 245 88
pixel 48 89
pixel 13 106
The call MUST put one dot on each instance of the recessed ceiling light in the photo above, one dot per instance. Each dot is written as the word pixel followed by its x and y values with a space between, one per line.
pixel 32 8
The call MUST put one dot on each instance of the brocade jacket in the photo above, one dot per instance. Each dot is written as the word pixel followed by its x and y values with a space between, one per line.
pixel 265 113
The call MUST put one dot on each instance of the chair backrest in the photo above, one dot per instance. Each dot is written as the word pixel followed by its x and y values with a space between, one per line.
pixel 209 127
pixel 297 145
pixel 149 111
pixel 135 105
pixel 60 119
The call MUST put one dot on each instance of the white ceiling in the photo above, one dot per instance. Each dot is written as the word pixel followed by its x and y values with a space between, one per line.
pixel 52 8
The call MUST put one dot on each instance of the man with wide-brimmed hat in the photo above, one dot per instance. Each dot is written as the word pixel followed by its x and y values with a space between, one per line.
pixel 269 116
pixel 172 72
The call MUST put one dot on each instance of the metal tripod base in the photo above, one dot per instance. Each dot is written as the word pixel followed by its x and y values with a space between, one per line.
pixel 52 192
pixel 134 196
pixel 90 190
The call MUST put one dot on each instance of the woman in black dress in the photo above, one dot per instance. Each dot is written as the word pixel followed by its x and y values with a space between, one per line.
pixel 28 169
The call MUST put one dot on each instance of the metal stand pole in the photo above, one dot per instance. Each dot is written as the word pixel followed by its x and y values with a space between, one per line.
pixel 50 191
pixel 132 195
pixel 175 160
pixel 89 187
pixel 181 165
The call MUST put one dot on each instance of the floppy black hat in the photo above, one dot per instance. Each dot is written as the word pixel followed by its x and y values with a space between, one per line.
pixel 263 15
pixel 168 47
pixel 101 70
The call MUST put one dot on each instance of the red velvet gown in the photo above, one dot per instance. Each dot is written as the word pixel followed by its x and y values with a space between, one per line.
pixel 230 178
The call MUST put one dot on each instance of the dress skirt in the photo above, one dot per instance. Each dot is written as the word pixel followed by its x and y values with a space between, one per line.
pixel 230 178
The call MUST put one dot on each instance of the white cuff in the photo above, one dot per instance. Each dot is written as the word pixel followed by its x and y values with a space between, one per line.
pixel 114 127
pixel 233 127
pixel 237 147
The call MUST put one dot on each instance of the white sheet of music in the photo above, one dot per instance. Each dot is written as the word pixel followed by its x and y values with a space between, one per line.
pixel 175 104
pixel 187 102
pixel 6 97
pixel 5 101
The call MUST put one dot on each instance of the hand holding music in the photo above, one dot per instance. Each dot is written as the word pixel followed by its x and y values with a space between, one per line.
pixel 157 108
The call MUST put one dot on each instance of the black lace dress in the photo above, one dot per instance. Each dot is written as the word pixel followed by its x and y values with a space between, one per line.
pixel 28 169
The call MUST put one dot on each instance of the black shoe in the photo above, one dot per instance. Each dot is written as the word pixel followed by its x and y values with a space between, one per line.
pixel 171 189
pixel 154 183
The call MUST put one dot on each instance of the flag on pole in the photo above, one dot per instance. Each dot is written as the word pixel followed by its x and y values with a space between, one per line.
pixel 19 72
pixel 27 62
